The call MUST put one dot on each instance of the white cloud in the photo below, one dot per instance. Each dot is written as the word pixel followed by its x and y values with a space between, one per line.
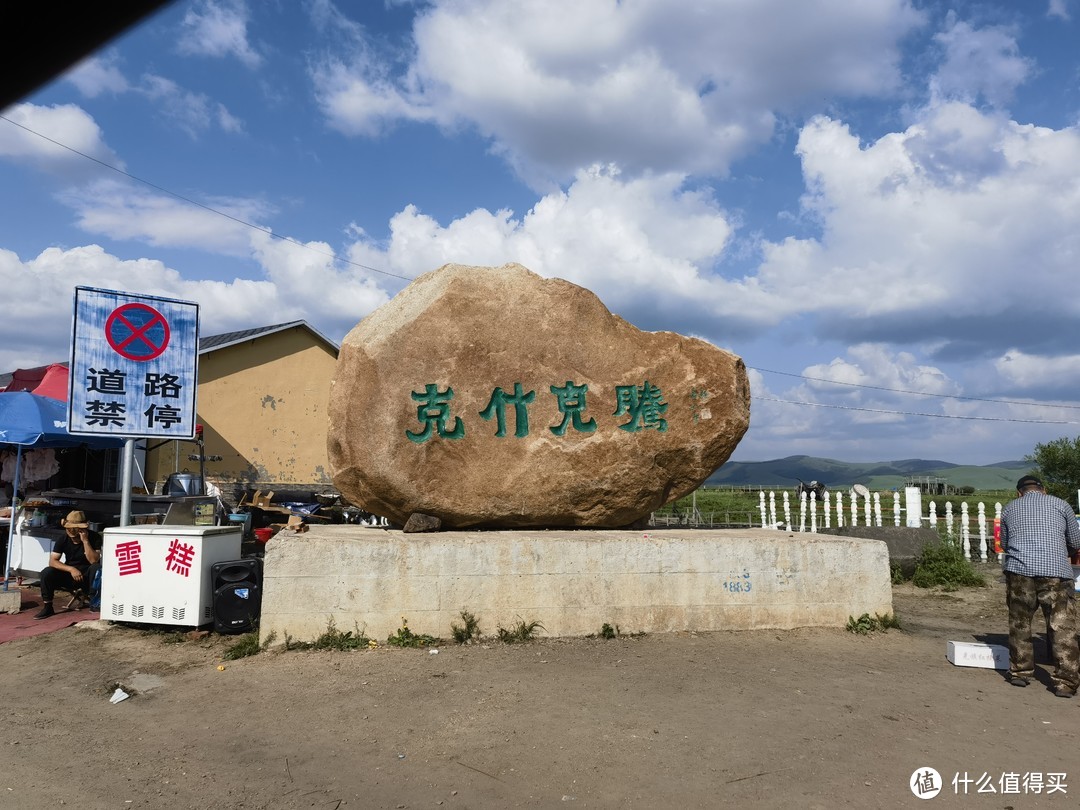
pixel 647 85
pixel 354 84
pixel 39 132
pixel 873 370
pixel 953 235
pixel 227 121
pixel 1059 9
pixel 194 113
pixel 355 104
pixel 97 75
pixel 299 284
pixel 218 29
pixel 122 211
pixel 919 229
pixel 964 224
pixel 1039 372
pixel 636 243
pixel 982 62
pixel 865 388
pixel 921 232
pixel 51 278
pixel 863 420
pixel 309 283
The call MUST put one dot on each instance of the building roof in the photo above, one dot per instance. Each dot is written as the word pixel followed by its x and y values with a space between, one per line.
pixel 206 345
pixel 215 342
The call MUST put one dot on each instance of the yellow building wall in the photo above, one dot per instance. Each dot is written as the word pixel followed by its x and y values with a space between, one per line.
pixel 263 407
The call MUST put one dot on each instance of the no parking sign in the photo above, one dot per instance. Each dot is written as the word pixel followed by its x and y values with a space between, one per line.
pixel 134 365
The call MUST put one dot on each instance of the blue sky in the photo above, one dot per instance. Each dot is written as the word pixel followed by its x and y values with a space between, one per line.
pixel 878 198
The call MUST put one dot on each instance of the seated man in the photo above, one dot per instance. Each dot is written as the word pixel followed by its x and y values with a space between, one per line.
pixel 80 550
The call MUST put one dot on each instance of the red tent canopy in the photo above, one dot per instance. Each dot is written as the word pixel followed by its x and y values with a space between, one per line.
pixel 47 381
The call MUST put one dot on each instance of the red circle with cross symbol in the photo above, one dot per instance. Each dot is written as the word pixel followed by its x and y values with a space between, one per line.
pixel 137 332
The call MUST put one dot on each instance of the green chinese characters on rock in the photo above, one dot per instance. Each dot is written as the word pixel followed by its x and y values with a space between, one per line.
pixel 433 413
pixel 571 400
pixel 698 396
pixel 497 407
pixel 643 405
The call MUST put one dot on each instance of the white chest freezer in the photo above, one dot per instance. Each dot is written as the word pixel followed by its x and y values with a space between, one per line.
pixel 161 574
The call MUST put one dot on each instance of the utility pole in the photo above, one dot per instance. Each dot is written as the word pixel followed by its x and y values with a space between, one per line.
pixel 202 458
pixel 695 515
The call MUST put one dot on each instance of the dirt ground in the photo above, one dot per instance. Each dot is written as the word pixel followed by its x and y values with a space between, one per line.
pixel 808 718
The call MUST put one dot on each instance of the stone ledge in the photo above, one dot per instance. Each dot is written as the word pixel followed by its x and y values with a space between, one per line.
pixel 11 600
pixel 572 582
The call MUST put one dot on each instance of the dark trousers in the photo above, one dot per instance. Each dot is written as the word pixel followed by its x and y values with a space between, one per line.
pixel 53 579
pixel 1026 595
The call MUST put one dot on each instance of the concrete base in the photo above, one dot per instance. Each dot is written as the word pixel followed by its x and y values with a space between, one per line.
pixel 572 582
pixel 11 600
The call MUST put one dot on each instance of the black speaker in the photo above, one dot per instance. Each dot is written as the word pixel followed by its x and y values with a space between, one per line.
pixel 237 588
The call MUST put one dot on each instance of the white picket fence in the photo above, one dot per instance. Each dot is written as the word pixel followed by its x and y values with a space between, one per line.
pixel 958 528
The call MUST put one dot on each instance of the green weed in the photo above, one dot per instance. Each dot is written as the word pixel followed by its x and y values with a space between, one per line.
pixel 468 631
pixel 404 637
pixel 520 632
pixel 945 565
pixel 607 631
pixel 865 625
pixel 332 639
pixel 247 644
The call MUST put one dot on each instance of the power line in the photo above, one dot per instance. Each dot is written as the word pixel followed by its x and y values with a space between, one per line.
pixel 916 393
pixel 198 204
pixel 915 413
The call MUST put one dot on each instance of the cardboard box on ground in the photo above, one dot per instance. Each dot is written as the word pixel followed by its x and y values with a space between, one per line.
pixel 971 654
pixel 295 524
pixel 261 501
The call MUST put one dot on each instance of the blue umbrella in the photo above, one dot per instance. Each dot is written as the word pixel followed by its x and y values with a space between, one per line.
pixel 30 420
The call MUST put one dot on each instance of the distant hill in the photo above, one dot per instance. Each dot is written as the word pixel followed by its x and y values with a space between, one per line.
pixel 876 474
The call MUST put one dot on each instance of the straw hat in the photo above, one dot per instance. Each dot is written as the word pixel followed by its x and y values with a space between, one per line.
pixel 75 520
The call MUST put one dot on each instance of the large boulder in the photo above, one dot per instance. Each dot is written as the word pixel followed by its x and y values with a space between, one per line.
pixel 490 397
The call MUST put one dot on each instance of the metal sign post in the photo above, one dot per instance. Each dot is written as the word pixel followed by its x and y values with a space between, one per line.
pixel 133 372
pixel 126 463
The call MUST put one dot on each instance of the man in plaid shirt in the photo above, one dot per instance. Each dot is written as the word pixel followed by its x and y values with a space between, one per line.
pixel 1039 532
